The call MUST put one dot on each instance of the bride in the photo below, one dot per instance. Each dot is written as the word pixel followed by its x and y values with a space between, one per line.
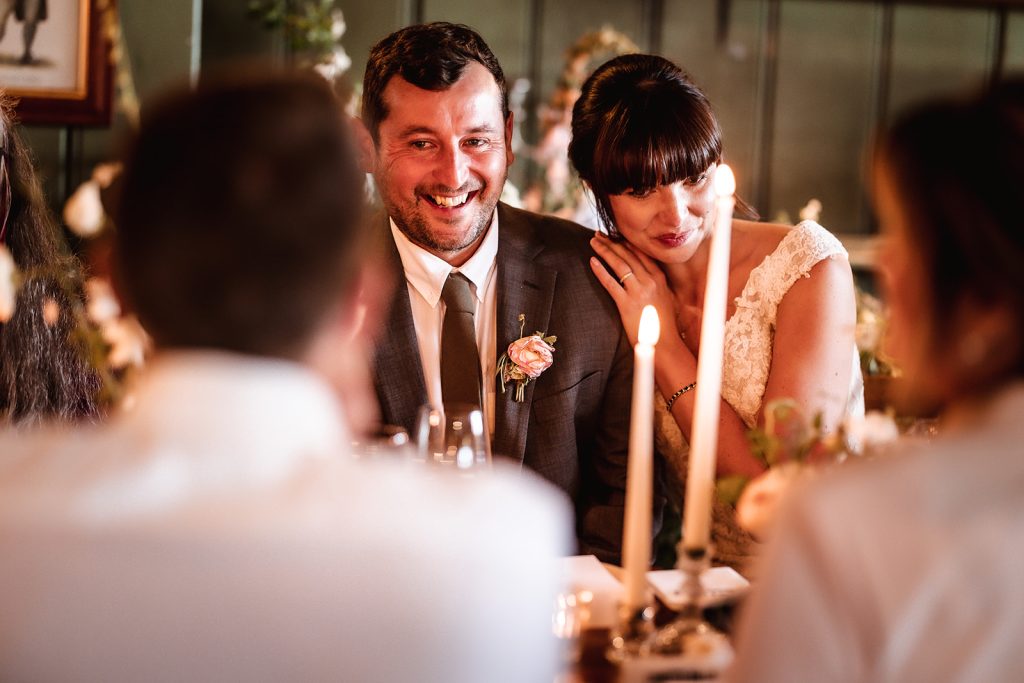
pixel 647 144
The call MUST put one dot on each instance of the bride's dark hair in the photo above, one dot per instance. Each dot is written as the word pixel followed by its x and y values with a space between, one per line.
pixel 641 122
pixel 43 370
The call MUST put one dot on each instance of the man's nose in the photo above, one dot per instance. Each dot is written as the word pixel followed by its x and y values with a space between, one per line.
pixel 452 168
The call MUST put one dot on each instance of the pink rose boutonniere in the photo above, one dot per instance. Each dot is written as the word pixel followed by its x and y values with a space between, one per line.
pixel 525 359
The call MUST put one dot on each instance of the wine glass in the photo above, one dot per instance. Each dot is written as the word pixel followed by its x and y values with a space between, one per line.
pixel 452 436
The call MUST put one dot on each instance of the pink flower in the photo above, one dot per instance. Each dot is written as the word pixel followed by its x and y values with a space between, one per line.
pixel 532 355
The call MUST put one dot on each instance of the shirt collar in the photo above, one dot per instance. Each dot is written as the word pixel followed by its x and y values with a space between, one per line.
pixel 427 273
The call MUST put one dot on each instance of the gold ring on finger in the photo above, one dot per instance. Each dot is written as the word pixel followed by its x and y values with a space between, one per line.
pixel 622 280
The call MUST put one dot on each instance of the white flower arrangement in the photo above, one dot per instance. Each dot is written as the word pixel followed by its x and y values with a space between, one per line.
pixel 795 450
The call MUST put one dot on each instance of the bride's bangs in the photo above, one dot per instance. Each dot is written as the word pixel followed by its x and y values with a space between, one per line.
pixel 653 145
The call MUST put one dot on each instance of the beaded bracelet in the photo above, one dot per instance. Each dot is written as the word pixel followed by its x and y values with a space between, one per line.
pixel 689 387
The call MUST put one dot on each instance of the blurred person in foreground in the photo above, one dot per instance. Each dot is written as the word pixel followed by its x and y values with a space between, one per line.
pixel 44 372
pixel 909 568
pixel 219 529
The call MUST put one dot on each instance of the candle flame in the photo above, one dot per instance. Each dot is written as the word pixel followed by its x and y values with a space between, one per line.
pixel 725 181
pixel 650 326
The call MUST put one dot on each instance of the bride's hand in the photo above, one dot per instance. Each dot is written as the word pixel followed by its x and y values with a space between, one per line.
pixel 635 281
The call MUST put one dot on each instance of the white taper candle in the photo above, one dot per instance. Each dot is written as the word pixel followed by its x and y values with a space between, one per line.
pixel 636 537
pixel 700 482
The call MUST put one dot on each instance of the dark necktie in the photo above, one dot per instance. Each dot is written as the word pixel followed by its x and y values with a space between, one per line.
pixel 460 359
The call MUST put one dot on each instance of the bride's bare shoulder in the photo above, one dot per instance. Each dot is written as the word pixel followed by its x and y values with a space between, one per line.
pixel 761 239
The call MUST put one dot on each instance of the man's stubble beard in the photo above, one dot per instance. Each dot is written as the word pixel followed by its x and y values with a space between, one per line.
pixel 416 228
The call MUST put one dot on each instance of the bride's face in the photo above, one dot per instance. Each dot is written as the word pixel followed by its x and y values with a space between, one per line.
pixel 670 222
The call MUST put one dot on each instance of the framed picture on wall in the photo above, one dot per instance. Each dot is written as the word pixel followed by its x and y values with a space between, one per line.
pixel 54 61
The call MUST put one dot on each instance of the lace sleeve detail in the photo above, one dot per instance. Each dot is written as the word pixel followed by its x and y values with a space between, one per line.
pixel 799 251
pixel 749 334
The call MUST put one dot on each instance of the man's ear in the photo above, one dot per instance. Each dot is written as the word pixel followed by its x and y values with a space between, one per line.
pixel 342 350
pixel 510 155
pixel 364 142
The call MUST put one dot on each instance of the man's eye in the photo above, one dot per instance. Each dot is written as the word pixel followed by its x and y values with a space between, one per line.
pixel 475 142
pixel 419 144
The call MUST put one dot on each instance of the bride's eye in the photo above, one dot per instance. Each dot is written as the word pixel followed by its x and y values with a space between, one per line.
pixel 639 194
pixel 697 180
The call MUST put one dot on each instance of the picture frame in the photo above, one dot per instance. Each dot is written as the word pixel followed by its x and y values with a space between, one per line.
pixel 54 61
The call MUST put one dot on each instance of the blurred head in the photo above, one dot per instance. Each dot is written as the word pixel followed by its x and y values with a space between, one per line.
pixel 239 218
pixel 43 369
pixel 645 140
pixel 435 107
pixel 946 177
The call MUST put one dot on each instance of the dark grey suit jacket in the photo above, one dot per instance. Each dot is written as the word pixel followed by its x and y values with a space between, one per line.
pixel 573 426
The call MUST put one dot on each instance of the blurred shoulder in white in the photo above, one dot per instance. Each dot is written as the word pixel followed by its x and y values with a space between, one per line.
pixel 187 541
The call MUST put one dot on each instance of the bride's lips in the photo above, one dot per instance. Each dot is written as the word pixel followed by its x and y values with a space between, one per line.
pixel 674 239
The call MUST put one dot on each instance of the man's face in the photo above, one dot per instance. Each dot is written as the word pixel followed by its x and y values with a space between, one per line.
pixel 441 160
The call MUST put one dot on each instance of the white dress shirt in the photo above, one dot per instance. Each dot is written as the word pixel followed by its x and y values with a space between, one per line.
pixel 425 275
pixel 217 532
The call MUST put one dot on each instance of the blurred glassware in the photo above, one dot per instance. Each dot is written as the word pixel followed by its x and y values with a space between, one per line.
pixel 389 441
pixel 569 618
pixel 452 436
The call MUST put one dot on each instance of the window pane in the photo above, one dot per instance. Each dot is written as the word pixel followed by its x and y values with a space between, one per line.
pixel 824 110
pixel 726 72
pixel 938 50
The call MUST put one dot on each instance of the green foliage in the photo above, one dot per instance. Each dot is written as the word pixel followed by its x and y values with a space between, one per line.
pixel 728 489
pixel 308 25
pixel 788 436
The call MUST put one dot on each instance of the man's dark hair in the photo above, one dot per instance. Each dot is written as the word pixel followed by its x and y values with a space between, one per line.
pixel 431 57
pixel 239 218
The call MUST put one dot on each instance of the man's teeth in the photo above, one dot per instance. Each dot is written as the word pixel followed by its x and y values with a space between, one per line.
pixel 457 200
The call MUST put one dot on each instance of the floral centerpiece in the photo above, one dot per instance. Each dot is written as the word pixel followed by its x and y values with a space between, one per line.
pixel 795 449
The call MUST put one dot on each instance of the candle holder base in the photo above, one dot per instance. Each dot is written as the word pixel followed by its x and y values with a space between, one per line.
pixel 631 633
pixel 690 644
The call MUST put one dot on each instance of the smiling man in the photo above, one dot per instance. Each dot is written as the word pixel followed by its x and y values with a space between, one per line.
pixel 481 274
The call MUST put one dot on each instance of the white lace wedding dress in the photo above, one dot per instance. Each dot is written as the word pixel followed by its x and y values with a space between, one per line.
pixel 749 337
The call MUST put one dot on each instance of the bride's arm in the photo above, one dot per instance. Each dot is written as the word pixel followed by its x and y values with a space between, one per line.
pixel 676 367
pixel 812 356
pixel 675 364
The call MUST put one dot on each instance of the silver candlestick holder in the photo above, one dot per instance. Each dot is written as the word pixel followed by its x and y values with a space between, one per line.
pixel 632 631
pixel 689 645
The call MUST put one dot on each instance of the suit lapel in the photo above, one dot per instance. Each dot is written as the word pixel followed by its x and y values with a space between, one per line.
pixel 524 287
pixel 397 369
